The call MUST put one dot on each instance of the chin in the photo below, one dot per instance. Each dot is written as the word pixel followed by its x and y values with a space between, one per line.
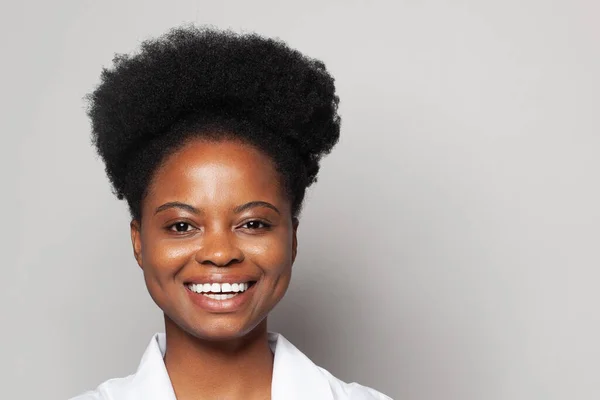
pixel 222 328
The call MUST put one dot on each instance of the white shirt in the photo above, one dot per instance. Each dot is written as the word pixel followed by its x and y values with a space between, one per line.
pixel 295 377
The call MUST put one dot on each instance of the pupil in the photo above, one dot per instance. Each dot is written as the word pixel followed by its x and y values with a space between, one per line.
pixel 181 227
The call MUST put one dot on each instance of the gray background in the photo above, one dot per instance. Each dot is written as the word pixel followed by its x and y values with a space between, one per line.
pixel 449 251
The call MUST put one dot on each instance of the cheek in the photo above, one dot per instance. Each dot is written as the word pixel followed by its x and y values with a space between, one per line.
pixel 162 259
pixel 274 257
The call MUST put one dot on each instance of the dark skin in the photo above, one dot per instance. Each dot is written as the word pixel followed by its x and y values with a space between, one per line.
pixel 216 209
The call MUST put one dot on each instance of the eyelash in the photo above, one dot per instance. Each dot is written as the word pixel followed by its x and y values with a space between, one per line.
pixel 265 225
pixel 173 227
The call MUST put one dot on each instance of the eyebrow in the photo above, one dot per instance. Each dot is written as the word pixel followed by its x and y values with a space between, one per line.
pixel 194 210
pixel 254 204
pixel 177 204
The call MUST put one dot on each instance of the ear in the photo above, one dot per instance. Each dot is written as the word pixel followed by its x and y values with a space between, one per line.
pixel 295 223
pixel 136 240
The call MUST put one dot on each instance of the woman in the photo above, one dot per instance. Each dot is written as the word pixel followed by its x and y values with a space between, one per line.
pixel 212 139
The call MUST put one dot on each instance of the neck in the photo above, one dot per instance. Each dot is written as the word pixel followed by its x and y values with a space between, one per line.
pixel 241 368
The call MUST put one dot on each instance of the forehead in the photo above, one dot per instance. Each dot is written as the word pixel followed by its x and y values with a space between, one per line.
pixel 223 173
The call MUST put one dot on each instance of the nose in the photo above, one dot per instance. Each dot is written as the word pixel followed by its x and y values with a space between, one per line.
pixel 219 249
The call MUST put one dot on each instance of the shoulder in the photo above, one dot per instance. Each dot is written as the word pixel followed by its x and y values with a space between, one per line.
pixel 150 381
pixel 351 391
pixel 90 395
pixel 296 377
pixel 106 389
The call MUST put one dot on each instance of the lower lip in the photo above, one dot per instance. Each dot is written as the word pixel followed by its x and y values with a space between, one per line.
pixel 221 306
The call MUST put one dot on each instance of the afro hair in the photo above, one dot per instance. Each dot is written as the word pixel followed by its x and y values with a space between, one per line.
pixel 194 81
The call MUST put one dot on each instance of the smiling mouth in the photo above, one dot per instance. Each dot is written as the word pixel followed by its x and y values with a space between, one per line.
pixel 220 291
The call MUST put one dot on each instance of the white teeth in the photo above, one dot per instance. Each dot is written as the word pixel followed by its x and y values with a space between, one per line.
pixel 218 288
pixel 196 288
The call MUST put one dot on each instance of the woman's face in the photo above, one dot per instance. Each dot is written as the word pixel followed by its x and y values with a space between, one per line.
pixel 217 240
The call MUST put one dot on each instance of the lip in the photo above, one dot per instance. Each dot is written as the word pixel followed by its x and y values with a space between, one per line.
pixel 222 306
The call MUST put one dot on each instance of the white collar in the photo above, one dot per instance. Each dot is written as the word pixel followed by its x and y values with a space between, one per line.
pixel 295 377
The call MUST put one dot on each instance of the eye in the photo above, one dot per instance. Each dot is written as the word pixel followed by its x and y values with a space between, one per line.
pixel 181 227
pixel 255 225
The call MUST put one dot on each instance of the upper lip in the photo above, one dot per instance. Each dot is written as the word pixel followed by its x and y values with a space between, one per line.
pixel 221 278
